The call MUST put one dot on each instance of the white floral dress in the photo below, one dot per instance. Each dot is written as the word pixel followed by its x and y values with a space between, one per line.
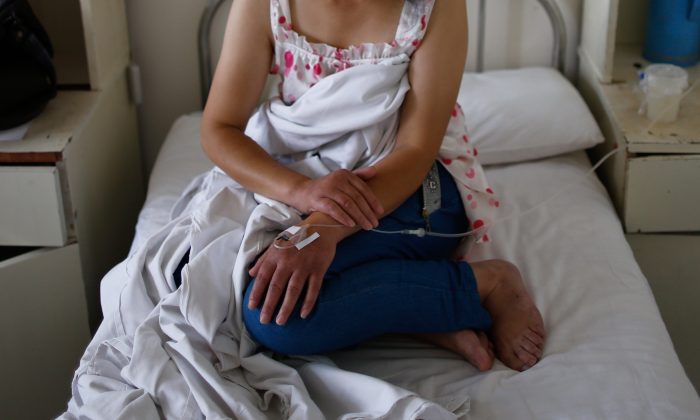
pixel 301 64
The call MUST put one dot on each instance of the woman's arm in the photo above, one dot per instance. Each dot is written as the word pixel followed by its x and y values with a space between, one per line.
pixel 238 84
pixel 435 73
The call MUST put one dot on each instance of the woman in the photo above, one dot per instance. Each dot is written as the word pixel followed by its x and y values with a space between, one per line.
pixel 352 283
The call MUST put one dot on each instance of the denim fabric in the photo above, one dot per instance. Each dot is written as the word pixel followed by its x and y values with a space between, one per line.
pixel 381 283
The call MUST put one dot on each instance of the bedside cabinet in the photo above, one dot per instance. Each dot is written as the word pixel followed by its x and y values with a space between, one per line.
pixel 43 320
pixel 654 181
pixel 70 193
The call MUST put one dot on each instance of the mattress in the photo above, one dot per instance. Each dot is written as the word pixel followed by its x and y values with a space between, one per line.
pixel 608 353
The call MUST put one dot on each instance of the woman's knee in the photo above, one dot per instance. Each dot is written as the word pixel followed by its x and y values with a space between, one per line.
pixel 251 317
pixel 262 333
pixel 280 339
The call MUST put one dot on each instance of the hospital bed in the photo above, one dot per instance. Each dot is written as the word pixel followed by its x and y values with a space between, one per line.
pixel 608 354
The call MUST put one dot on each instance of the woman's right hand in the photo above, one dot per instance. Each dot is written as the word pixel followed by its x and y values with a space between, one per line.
pixel 342 195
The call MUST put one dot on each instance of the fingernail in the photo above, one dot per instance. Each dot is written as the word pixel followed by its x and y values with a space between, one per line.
pixel 304 314
pixel 279 321
pixel 252 304
pixel 264 319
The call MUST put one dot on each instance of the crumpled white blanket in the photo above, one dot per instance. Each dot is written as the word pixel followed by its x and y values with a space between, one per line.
pixel 184 353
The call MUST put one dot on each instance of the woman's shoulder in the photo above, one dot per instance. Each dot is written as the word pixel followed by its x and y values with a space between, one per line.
pixel 449 16
pixel 253 9
pixel 256 13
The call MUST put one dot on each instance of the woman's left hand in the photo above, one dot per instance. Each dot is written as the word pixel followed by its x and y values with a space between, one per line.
pixel 285 272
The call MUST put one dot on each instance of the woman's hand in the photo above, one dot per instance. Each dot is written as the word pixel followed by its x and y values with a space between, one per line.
pixel 343 195
pixel 287 271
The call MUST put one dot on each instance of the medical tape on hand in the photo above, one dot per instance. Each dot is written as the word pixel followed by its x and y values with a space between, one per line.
pixel 303 244
pixel 292 230
pixel 295 232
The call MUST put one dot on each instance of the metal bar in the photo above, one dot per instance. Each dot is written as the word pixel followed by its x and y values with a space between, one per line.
pixel 559 33
pixel 481 37
pixel 205 67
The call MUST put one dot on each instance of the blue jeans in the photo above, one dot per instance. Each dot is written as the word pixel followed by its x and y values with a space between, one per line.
pixel 381 283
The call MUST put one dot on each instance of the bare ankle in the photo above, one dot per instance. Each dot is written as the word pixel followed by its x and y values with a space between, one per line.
pixel 490 274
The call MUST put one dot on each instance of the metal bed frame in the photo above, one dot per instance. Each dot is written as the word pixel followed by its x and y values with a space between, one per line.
pixel 552 9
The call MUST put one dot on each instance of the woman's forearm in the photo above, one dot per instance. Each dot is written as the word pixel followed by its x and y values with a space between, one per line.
pixel 249 164
pixel 398 176
pixel 343 195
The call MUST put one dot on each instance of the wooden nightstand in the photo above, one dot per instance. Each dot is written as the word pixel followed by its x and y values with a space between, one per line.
pixel 70 195
pixel 655 184
pixel 655 181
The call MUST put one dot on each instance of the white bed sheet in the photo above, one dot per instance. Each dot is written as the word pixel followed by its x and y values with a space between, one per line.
pixel 608 354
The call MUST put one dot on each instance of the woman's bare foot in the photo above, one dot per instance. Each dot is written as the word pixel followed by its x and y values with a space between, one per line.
pixel 518 330
pixel 473 346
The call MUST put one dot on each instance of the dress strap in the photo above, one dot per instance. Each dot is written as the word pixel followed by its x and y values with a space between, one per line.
pixel 280 15
pixel 414 23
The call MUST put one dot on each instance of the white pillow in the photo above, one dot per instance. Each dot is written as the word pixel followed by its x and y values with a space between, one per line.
pixel 525 114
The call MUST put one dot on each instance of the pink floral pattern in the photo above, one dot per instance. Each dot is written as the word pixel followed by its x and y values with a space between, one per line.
pixel 308 62
pixel 459 158
pixel 301 64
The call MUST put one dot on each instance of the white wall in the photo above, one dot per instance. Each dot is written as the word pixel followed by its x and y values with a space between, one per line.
pixel 518 33
pixel 164 45
pixel 163 35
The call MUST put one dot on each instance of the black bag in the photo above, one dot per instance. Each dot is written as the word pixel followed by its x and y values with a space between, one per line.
pixel 27 74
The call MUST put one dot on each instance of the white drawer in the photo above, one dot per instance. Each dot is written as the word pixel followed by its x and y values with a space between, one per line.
pixel 663 194
pixel 31 207
pixel 43 320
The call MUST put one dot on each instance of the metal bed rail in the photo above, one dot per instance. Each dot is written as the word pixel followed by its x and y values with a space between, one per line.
pixel 556 18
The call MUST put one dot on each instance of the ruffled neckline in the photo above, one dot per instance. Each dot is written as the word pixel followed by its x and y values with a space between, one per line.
pixel 360 52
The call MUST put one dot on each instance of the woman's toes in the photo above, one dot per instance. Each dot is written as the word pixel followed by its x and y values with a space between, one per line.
pixel 527 359
pixel 512 360
pixel 530 347
pixel 484 340
pixel 538 330
pixel 526 366
pixel 535 339
pixel 467 343
pixel 475 350
pixel 480 358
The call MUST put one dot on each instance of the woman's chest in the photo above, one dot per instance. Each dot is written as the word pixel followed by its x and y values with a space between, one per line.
pixel 343 23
